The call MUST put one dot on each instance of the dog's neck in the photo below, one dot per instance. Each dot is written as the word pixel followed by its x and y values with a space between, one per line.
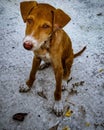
pixel 46 43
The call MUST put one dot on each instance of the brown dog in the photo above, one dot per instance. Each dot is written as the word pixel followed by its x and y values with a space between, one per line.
pixel 49 42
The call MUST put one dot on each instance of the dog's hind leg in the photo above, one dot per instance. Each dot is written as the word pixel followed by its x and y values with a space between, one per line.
pixel 29 82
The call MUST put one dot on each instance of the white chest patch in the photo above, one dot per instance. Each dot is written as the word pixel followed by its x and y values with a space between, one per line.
pixel 45 57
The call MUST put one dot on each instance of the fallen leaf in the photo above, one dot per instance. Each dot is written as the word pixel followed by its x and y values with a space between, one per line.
pixel 81 83
pixel 99 14
pixel 87 124
pixel 68 113
pixel 19 116
pixel 72 92
pixel 66 128
pixel 41 94
pixel 99 124
pixel 102 124
pixel 101 70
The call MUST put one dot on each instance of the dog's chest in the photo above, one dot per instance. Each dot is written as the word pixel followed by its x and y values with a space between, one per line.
pixel 44 55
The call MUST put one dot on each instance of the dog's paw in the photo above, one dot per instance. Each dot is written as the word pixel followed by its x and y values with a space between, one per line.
pixel 58 108
pixel 64 85
pixel 24 88
pixel 44 65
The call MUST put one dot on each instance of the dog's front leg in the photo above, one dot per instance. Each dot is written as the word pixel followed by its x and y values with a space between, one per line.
pixel 58 70
pixel 29 82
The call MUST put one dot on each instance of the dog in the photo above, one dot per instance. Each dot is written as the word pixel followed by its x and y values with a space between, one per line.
pixel 45 36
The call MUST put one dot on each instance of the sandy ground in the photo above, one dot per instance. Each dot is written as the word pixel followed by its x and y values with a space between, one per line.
pixel 85 94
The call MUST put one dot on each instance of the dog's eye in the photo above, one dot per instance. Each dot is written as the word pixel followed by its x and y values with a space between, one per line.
pixel 45 26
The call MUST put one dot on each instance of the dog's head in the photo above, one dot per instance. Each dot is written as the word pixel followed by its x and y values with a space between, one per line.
pixel 41 20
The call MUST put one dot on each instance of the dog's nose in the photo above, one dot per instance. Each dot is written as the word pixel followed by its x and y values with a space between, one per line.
pixel 28 45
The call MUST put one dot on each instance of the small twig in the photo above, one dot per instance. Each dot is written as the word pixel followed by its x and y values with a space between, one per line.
pixel 69 80
pixel 41 94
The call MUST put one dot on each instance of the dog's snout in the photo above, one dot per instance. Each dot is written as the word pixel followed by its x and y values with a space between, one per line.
pixel 28 45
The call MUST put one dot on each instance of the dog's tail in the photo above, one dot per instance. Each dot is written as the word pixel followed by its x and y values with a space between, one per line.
pixel 80 52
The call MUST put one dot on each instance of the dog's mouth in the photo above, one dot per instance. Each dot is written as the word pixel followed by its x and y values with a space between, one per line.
pixel 29 43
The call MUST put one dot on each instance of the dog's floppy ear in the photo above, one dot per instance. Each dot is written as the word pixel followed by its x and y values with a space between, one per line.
pixel 26 7
pixel 60 18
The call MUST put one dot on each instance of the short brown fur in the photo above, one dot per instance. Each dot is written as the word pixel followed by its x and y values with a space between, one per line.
pixel 60 46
